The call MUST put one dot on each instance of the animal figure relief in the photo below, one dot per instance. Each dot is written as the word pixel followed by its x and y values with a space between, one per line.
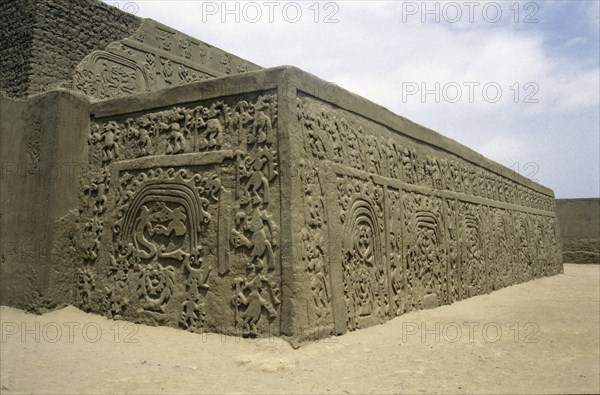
pixel 160 220
pixel 192 316
pixel 256 172
pixel 142 136
pixel 86 283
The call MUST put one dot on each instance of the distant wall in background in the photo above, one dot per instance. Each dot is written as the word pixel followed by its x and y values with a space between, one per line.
pixel 579 221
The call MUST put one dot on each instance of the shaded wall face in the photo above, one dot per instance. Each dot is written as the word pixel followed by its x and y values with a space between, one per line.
pixel 44 40
pixel 390 225
pixel 42 143
pixel 579 221
pixel 179 220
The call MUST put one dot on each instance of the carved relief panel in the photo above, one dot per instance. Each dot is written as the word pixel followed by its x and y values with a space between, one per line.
pixel 448 232
pixel 553 259
pixel 315 250
pixel 180 218
pixel 254 231
pixel 397 269
pixel 472 250
pixel 522 246
pixel 179 130
pixel 163 245
pixel 502 261
pixel 348 141
pixel 155 57
pixel 453 256
pixel 365 277
pixel 425 253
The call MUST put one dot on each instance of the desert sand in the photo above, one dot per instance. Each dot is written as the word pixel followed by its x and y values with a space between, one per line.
pixel 539 337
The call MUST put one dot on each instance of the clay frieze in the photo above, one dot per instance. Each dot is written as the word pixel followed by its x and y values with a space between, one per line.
pixel 179 219
pixel 419 228
pixel 155 57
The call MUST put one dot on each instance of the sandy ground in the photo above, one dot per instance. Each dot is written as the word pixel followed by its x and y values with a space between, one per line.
pixel 538 337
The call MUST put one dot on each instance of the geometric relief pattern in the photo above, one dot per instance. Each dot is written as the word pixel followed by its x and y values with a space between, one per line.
pixel 501 253
pixel 474 272
pixel 453 256
pixel 523 246
pixel 553 259
pixel 336 139
pixel 399 292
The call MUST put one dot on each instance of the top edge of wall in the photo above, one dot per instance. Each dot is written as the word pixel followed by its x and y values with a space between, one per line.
pixel 292 80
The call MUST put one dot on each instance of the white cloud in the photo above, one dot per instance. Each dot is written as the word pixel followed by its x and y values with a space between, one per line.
pixel 503 149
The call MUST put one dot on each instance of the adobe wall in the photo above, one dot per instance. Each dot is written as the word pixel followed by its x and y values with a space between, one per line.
pixel 391 217
pixel 579 221
pixel 43 146
pixel 153 58
pixel 255 205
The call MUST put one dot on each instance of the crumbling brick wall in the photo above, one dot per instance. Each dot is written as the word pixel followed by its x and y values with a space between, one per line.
pixel 42 41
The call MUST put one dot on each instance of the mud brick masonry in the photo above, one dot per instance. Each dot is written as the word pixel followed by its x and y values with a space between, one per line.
pixel 149 176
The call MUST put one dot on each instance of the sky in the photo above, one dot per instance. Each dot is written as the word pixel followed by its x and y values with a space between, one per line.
pixel 517 81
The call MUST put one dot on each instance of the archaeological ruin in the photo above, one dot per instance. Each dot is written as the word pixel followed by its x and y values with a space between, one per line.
pixel 150 177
